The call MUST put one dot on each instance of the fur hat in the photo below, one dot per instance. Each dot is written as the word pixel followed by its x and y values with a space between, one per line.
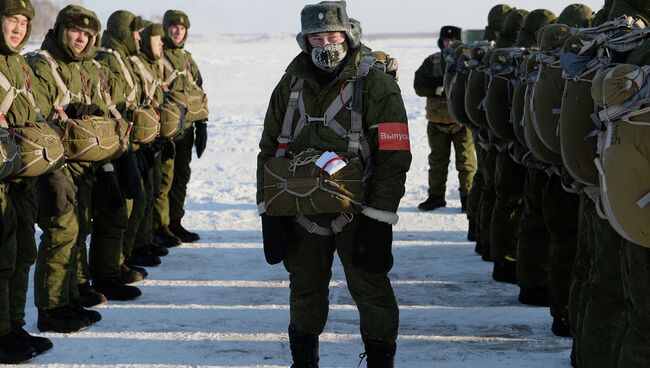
pixel 451 33
pixel 577 15
pixel 175 17
pixel 326 16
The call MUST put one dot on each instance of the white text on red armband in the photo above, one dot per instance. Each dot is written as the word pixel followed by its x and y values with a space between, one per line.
pixel 393 137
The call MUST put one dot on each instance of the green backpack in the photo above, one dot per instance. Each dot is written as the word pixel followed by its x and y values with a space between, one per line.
pixel 538 149
pixel 500 91
pixel 546 100
pixel 477 85
pixel 456 93
pixel 624 162
pixel 39 143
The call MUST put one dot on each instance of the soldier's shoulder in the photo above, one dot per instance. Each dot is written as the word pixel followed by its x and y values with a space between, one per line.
pixel 380 84
pixel 435 58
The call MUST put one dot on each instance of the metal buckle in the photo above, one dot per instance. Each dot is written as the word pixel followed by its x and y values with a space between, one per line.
pixel 311 119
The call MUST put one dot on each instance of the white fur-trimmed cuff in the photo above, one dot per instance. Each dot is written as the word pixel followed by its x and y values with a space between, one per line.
pixel 261 208
pixel 379 215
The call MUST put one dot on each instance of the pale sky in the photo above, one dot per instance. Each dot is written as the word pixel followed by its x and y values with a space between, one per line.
pixel 283 16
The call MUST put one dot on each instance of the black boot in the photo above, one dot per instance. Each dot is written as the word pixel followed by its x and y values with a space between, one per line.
pixel 165 238
pixel 141 270
pixel 129 276
pixel 89 297
pixel 14 351
pixel 93 316
pixel 560 327
pixel 463 204
pixel 432 203
pixel 304 349
pixel 505 271
pixel 486 255
pixel 40 344
pixel 63 319
pixel 114 289
pixel 471 232
pixel 537 296
pixel 143 257
pixel 379 354
pixel 157 250
pixel 183 234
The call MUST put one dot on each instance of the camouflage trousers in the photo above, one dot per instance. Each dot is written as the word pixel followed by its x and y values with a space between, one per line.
pixel 309 263
pixel 509 179
pixel 182 173
pixel 487 202
pixel 7 257
pixel 140 226
pixel 441 137
pixel 474 198
pixel 163 178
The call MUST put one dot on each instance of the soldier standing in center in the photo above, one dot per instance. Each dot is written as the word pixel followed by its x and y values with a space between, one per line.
pixel 442 130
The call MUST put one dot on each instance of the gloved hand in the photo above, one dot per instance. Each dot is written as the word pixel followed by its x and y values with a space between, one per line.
pixel 77 110
pixel 129 176
pixel 58 194
pixel 276 231
pixel 168 149
pixel 200 137
pixel 109 188
pixel 372 245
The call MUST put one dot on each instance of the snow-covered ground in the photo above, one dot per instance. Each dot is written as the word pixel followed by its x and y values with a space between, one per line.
pixel 218 304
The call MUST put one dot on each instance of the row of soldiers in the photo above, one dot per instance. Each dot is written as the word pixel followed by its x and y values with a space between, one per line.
pixel 558 107
pixel 96 137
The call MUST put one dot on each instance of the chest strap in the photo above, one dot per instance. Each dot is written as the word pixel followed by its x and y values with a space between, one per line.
pixel 12 93
pixel 149 81
pixel 130 98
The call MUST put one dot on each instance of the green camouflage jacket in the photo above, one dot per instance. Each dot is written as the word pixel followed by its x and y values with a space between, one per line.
pixel 382 104
pixel 428 82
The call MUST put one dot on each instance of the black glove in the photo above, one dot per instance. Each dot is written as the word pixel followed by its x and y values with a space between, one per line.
pixel 109 190
pixel 200 137
pixel 57 193
pixel 372 245
pixel 129 175
pixel 168 150
pixel 77 110
pixel 276 231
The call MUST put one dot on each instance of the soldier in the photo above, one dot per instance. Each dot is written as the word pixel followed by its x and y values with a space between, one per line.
pixel 376 129
pixel 18 196
pixel 182 78
pixel 68 50
pixel 442 130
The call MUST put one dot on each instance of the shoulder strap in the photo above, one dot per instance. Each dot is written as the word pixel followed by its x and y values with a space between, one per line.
pixel 127 75
pixel 287 124
pixel 103 89
pixel 65 97
pixel 146 76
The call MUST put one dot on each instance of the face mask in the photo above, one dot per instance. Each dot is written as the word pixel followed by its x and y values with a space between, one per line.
pixel 330 56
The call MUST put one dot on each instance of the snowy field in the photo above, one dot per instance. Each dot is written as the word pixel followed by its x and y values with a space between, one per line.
pixel 218 304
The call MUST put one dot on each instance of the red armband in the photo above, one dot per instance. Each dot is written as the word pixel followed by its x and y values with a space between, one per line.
pixel 393 137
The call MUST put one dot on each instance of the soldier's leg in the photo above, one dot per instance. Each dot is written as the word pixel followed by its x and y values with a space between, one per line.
pixel 508 186
pixel 182 173
pixel 561 218
pixel 604 303
pixel 533 242
pixel 372 293
pixel 7 258
pixel 143 236
pixel 579 277
pixel 163 179
pixel 24 197
pixel 635 342
pixel 465 154
pixel 474 199
pixel 309 263
pixel 135 220
pixel 55 269
pixel 487 203
pixel 440 145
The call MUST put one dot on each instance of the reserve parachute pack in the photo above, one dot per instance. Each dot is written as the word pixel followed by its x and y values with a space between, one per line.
pixel 457 86
pixel 39 143
pixel 584 53
pixel 539 153
pixel 499 96
pixel 624 150
pixel 189 95
pixel 303 184
pixel 90 138
pixel 519 99
pixel 477 82
pixel 171 115
pixel 144 117
pixel 546 100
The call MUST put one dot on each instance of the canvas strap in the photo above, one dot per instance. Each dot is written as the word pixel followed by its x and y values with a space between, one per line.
pixel 130 98
pixel 149 81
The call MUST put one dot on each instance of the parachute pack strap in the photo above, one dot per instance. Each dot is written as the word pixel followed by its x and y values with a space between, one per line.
pixel 287 124
pixel 8 100
pixel 336 226
pixel 170 68
pixel 188 71
pixel 65 98
pixel 103 87
pixel 127 75
pixel 148 78
pixel 644 201
pixel 629 41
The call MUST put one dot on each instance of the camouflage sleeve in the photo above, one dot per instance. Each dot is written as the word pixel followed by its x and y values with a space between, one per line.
pixel 425 83
pixel 387 121
pixel 46 89
pixel 272 129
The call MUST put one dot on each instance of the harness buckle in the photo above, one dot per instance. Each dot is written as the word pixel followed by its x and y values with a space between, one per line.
pixel 311 119
pixel 313 228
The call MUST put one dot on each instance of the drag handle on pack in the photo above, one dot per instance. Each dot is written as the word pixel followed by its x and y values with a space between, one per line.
pixel 276 231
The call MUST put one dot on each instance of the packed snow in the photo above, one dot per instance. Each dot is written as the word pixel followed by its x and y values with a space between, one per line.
pixel 217 303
